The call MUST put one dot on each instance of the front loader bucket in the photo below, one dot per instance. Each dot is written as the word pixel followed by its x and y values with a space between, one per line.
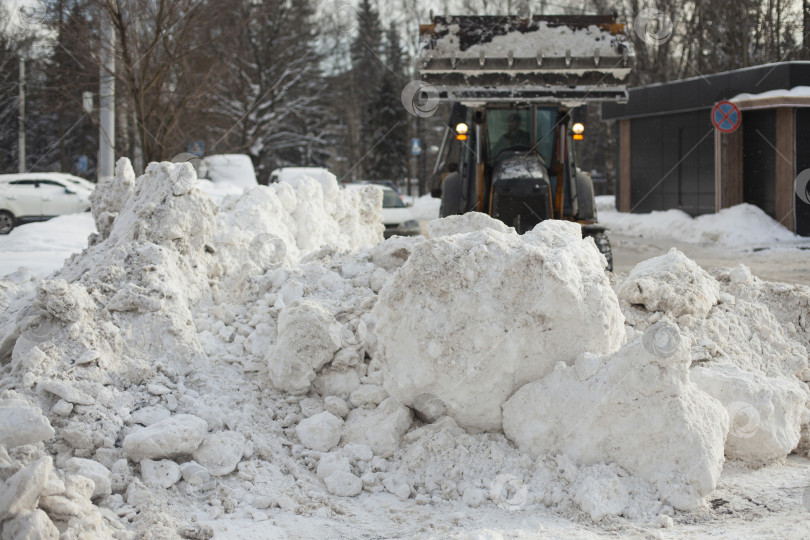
pixel 538 59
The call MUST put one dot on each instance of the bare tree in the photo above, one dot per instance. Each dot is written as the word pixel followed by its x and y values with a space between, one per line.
pixel 165 68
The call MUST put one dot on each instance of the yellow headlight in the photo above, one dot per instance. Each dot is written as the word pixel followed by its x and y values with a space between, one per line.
pixel 579 128
pixel 462 129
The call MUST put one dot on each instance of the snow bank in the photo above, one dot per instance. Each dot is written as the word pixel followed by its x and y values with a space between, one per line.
pixel 741 225
pixel 492 311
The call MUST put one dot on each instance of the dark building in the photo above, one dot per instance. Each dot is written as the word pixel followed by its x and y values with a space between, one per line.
pixel 671 156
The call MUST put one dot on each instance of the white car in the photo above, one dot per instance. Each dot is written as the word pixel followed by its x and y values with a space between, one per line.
pixel 398 218
pixel 39 196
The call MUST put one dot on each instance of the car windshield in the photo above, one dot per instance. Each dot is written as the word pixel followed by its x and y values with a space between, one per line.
pixel 391 199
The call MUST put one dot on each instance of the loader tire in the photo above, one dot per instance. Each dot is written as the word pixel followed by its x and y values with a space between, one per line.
pixel 603 244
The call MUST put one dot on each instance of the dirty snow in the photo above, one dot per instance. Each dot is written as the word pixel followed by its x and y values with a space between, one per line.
pixel 548 40
pixel 268 366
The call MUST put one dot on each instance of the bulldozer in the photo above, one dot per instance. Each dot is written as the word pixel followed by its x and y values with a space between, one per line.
pixel 513 84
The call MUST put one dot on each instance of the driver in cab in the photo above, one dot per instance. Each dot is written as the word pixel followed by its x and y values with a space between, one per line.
pixel 515 136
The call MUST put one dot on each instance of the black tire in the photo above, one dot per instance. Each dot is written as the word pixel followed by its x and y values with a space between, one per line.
pixel 603 244
pixel 6 222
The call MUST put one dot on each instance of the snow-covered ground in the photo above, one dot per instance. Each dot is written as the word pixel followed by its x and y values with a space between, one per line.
pixel 263 365
pixel 742 233
pixel 43 247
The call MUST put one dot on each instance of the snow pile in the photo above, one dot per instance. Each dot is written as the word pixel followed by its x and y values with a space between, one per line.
pixel 492 311
pixel 740 225
pixel 753 363
pixel 271 357
pixel 108 344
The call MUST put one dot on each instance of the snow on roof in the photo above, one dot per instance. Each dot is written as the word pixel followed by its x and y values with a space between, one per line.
pixel 798 95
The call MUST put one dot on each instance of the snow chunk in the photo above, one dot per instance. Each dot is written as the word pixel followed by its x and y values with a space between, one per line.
pixel 600 497
pixel 95 471
pixel 164 473
pixel 393 253
pixel 639 411
pixel 34 525
pixel 220 452
pixel 305 344
pixel 66 392
pixel 466 223
pixel 108 198
pixel 20 492
pixel 765 413
pixel 177 435
pixel 343 484
pixel 320 432
pixel 492 311
pixel 23 425
pixel 381 429
pixel 673 284
pixel 331 463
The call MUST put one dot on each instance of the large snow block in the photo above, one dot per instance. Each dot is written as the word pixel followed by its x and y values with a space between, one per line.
pixel 473 316
pixel 177 435
pixel 305 344
pixel 765 413
pixel 632 408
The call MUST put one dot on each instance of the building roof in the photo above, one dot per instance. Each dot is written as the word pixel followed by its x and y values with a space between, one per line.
pixel 698 93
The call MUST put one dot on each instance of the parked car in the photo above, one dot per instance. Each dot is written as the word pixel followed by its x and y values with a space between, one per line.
pixel 398 219
pixel 40 196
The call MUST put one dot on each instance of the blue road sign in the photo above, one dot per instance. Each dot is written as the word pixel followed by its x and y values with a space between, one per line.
pixel 726 117
pixel 196 148
pixel 416 147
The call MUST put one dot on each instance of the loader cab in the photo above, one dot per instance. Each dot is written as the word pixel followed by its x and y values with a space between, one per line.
pixel 508 162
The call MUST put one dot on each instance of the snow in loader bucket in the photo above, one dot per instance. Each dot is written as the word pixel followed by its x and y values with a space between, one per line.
pixel 542 58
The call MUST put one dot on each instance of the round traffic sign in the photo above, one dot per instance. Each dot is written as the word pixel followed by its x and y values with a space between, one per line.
pixel 726 117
